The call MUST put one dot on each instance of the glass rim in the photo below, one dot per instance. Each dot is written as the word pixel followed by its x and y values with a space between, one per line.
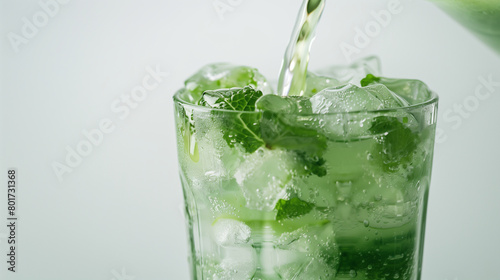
pixel 433 99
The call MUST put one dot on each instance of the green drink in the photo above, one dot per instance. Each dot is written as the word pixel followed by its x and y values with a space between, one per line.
pixel 329 185
pixel 482 17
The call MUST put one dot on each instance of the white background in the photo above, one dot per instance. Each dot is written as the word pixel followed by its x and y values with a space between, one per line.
pixel 118 214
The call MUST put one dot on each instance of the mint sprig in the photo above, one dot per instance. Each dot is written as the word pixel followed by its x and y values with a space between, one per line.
pixel 239 128
pixel 279 125
pixel 292 208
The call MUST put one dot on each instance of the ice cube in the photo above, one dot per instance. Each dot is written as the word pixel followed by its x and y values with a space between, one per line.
pixel 350 98
pixel 263 177
pixel 309 239
pixel 224 75
pixel 237 257
pixel 345 99
pixel 239 263
pixel 389 99
pixel 355 72
pixel 319 253
pixel 216 160
pixel 316 83
pixel 230 232
pixel 413 91
pixel 284 104
pixel 319 191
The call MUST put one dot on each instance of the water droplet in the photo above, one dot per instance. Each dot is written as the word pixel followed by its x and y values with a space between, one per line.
pixel 366 223
pixel 353 273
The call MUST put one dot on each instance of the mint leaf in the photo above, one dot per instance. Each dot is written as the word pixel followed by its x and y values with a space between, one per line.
pixel 314 164
pixel 396 142
pixel 241 127
pixel 292 208
pixel 235 99
pixel 369 79
pixel 244 130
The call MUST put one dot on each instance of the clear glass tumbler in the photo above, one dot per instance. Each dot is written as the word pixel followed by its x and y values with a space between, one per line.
pixel 357 210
